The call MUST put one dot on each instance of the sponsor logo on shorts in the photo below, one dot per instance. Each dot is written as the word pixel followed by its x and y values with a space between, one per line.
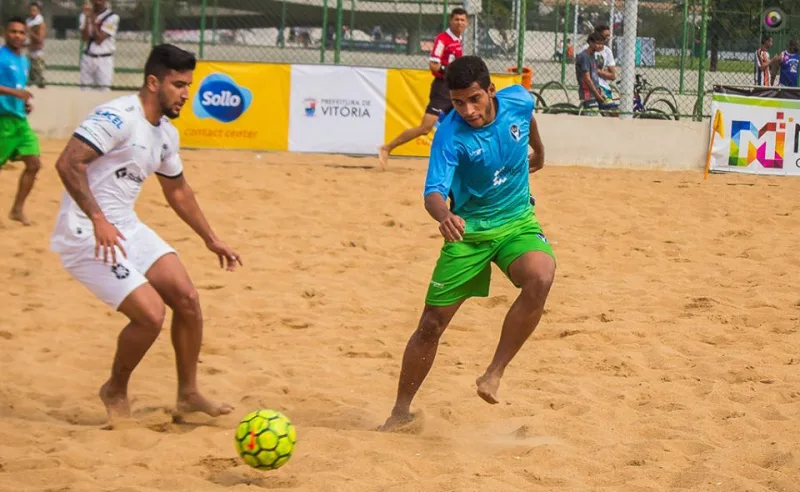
pixel 220 98
pixel 515 133
pixel 437 284
pixel 120 271
pixel 542 237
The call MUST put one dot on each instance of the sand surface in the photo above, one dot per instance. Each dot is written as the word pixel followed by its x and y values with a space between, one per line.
pixel 668 357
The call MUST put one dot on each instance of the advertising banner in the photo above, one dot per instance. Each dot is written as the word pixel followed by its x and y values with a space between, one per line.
pixel 755 131
pixel 407 96
pixel 237 106
pixel 337 109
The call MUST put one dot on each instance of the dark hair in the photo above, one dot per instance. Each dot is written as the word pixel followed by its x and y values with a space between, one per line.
pixel 15 19
pixel 166 57
pixel 36 3
pixel 458 11
pixel 601 28
pixel 465 71
pixel 765 38
pixel 794 45
pixel 595 37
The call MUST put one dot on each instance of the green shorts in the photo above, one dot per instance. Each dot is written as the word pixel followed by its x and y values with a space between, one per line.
pixel 17 139
pixel 464 268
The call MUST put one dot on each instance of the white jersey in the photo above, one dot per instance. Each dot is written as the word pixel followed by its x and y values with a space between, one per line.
pixel 131 149
pixel 109 23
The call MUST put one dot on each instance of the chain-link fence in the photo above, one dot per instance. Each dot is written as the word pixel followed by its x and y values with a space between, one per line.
pixel 545 35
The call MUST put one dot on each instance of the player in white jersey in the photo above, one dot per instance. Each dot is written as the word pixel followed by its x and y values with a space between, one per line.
pixel 105 246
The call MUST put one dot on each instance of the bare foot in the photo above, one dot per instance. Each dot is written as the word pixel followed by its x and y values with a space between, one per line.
pixel 19 217
pixel 403 423
pixel 116 403
pixel 487 388
pixel 383 157
pixel 195 402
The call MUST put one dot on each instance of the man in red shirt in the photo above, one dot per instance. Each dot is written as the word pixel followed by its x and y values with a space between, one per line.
pixel 446 48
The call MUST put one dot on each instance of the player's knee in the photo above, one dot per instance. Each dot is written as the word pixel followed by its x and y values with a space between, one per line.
pixel 187 302
pixel 537 285
pixel 32 165
pixel 431 326
pixel 152 319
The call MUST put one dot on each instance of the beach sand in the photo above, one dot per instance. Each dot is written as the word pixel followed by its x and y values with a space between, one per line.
pixel 668 357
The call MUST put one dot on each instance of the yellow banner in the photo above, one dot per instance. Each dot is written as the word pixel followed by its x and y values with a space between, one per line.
pixel 237 106
pixel 407 94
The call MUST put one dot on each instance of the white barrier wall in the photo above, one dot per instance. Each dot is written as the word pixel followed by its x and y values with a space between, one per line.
pixel 569 140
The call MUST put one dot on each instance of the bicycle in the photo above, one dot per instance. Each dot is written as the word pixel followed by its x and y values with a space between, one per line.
pixel 660 109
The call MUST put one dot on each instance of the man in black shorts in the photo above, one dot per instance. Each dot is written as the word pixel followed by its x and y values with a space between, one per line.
pixel 446 48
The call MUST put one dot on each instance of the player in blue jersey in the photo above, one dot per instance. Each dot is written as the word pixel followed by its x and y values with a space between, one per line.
pixel 18 142
pixel 480 163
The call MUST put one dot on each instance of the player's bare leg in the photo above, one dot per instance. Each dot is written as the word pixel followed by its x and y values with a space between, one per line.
pixel 170 278
pixel 408 135
pixel 534 273
pixel 26 180
pixel 417 361
pixel 146 312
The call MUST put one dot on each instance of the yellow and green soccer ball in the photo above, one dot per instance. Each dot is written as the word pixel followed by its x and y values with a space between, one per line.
pixel 265 439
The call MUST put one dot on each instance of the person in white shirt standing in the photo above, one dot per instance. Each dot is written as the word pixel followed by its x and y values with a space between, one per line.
pixel 103 244
pixel 98 26
pixel 606 65
pixel 37 31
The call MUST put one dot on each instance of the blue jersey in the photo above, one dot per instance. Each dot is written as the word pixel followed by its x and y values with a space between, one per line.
pixel 789 63
pixel 484 171
pixel 13 73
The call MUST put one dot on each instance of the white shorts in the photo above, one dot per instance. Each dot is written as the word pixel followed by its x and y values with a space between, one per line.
pixel 112 284
pixel 96 73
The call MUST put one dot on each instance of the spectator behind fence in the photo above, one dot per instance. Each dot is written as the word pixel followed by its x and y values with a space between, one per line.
pixel 447 48
pixel 589 92
pixel 36 31
pixel 98 25
pixel 762 61
pixel 787 61
pixel 606 65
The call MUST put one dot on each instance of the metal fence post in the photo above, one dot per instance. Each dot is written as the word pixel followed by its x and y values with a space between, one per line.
pixel 564 43
pixel 202 28
pixel 155 38
pixel 683 42
pixel 523 14
pixel 628 65
pixel 339 17
pixel 282 32
pixel 324 41
pixel 445 23
pixel 701 78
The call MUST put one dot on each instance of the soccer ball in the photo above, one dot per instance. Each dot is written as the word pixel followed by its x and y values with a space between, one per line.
pixel 265 439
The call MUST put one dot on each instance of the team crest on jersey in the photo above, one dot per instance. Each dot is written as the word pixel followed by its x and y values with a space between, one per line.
pixel 514 129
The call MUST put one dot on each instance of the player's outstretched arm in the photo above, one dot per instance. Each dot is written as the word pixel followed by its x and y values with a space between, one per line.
pixel 536 161
pixel 71 166
pixel 181 198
